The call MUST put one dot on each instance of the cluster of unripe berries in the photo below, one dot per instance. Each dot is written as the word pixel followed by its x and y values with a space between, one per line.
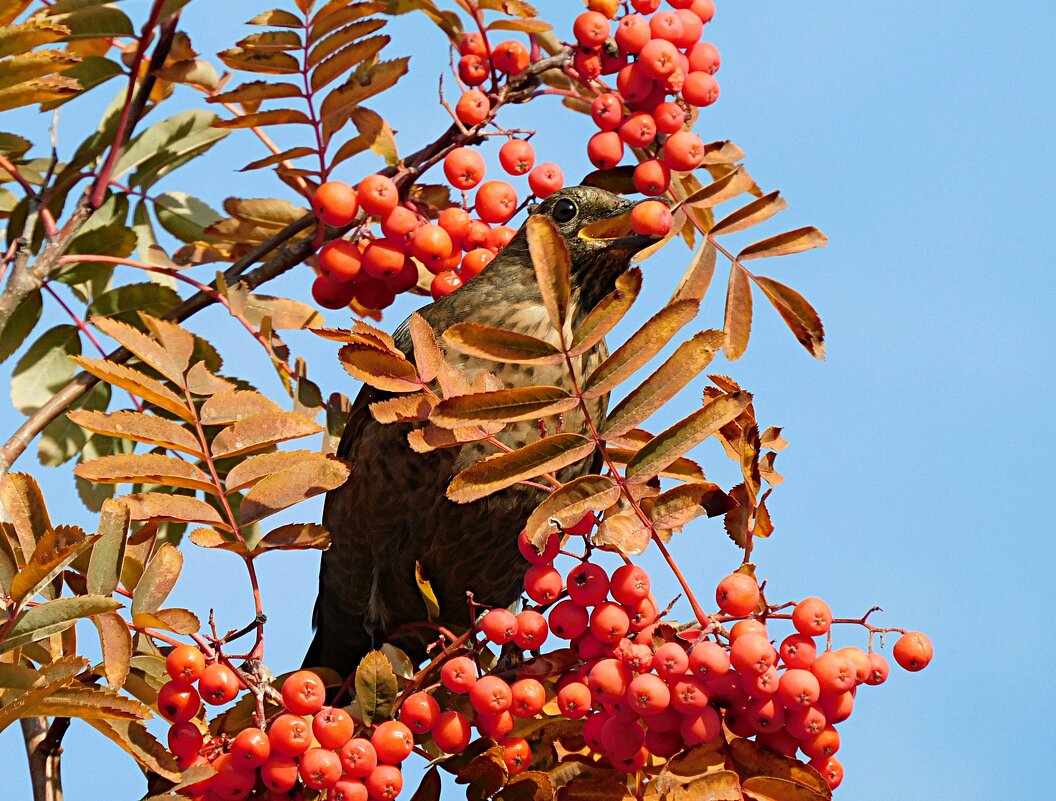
pixel 662 70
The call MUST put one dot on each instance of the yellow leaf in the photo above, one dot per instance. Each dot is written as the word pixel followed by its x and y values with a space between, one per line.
pixel 348 34
pixel 425 588
pixel 233 405
pixel 137 383
pixel 729 186
pixel 55 550
pixel 238 58
pixel 48 89
pixel 255 91
pixel 27 66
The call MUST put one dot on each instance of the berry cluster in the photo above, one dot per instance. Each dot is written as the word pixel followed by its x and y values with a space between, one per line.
pixel 663 70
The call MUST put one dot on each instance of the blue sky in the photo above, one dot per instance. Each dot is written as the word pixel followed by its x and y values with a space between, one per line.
pixel 918 137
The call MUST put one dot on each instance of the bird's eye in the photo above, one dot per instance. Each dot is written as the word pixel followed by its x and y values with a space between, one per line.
pixel 564 210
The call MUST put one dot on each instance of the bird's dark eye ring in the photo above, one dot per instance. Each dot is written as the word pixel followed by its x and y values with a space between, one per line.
pixel 564 210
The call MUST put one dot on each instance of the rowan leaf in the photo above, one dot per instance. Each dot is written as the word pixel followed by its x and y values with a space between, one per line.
pixel 379 368
pixel 108 553
pixel 23 505
pixel 277 18
pixel 292 485
pixel 523 25
pixel 148 350
pixel 341 62
pixel 567 505
pixel 255 91
pixel 115 640
pixel 724 152
pixel 668 380
pixel 164 507
pixel 376 687
pixel 267 63
pixel 139 427
pixel 697 279
pixel 277 158
pixel 734 183
pixel 224 540
pixel 44 368
pixel 176 620
pixel 625 533
pixel 679 505
pixel 340 12
pixel 695 762
pixel 604 317
pixel 553 265
pixel 27 66
pixel 145 468
pixel 284 313
pixel 757 211
pixel 738 318
pixel 230 406
pixel 723 785
pixel 52 617
pixel 500 345
pixel 752 759
pixel 51 678
pixel 430 437
pixel 767 788
pixel 158 579
pixel 797 313
pixel 642 346
pixel 503 405
pixel 272 41
pixel 294 537
pixel 329 45
pixel 784 244
pixel 88 703
pixel 20 325
pixel 137 383
pixel 506 469
pixel 32 33
pixel 425 589
pixel 258 119
pixel 365 82
pixel 665 447
pixel 56 548
pixel 259 431
pixel 196 73
pixel 485 774
pixel 132 736
pixel 428 357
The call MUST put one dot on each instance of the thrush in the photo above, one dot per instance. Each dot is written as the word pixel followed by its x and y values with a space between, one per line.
pixel 392 512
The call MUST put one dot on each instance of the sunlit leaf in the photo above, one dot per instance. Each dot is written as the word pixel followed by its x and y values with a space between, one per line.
pixel 504 405
pixel 567 505
pixel 294 537
pixel 331 44
pixel 145 468
pixel 757 211
pixel 115 641
pixel 279 116
pixel 55 550
pixel 231 406
pixel 29 34
pixel 679 505
pixel 506 469
pixel 784 244
pixel 379 368
pixel 277 158
pixel 52 677
pixel 162 506
pixel 259 431
pixel 137 383
pixel 685 434
pixel 211 538
pixel 255 91
pixel 668 380
pixel 158 579
pixel 729 186
pixel 147 349
pixel 341 12
pixel 738 318
pixel 104 566
pixel 178 621
pixel 132 736
pixel 642 346
pixel 44 368
pixel 501 345
pixel 553 264
pixel 797 313
pixel 697 278
pixel 609 311
pixel 140 427
pixel 277 18
pixel 292 485
pixel 338 105
pixel 54 616
pixel 23 505
pixel 345 59
pixel 268 63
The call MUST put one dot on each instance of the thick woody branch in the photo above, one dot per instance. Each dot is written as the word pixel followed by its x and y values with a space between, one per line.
pixel 43 747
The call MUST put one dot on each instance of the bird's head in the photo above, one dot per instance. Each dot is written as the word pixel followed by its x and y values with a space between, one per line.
pixel 596 225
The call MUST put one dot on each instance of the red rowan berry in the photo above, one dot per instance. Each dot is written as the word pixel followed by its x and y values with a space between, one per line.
pixel 348 790
pixel 475 261
pixel 878 669
pixel 780 742
pixel 218 684
pixel 652 177
pixel 290 735
pixel 531 630
pixel 608 680
pixel 569 620
pixel 830 768
pixel 765 683
pixel 406 278
pixel 303 693
pixel 648 695
pixel 621 737
pixel 607 7
pixel 499 237
pixel 528 697
pixel 319 768
pixel 495 726
pixel 333 727
pixel 383 259
pixel 799 687
pixel 658 59
pixel 607 111
pixel 726 688
pixel 653 218
pixel 709 659
pixel 752 654
pixel 705 9
pixel 491 695
pixel 473 69
pixel 766 713
pixel 473 107
pixel 392 741
pixel 638 130
pixel 609 622
pixel 834 671
pixel 583 527
pixel 605 150
pixel 496 201
pixel 384 782
pixel 749 626
pixel 663 744
pixel 279 773
pixel 444 284
pixel 636 656
pixel 451 732
pixel 632 33
pixel 704 728
pixel 516 753
pixel 335 203
pixel 704 57
pixel 574 700
pixel 629 584
pixel 542 583
pixel 377 195
pixel 645 6
pixel 340 260
pixel 804 721
pixel 670 660
pixel 837 707
pixel 588 647
pixel 739 720
pixel 592 730
pixel 634 83
pixel 738 593
pixel 185 663
pixel 528 551
pixel 913 651
pixel 178 702
pixel 455 220
pixel 419 712
pixel 644 614
pixel 546 179
pixel 358 758
pixel 232 781
pixel 669 118
pixel 464 168
pixel 431 244
pixel 700 89
pixel 331 294
pixel 587 63
pixel 859 661
pixel 683 151
pixel 472 43
pixel 798 651
pixel 689 695
pixel 591 29
pixel 250 748
pixel 499 626
pixel 185 740
pixel 666 26
pixel 517 156
pixel 812 616
pixel 510 57
pixel 588 584
pixel 459 674
pixel 692 28
pixel 376 294
pixel 823 744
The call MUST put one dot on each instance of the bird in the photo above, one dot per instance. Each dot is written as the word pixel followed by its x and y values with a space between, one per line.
pixel 392 513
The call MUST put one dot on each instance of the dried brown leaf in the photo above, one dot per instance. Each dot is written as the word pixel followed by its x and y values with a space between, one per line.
pixel 501 345
pixel 729 186
pixel 161 506
pixel 55 549
pixel 145 468
pixel 784 244
pixel 294 537
pixel 287 487
pixel 403 409
pixel 757 211
pixel 676 507
pixel 553 265
pixel 503 405
pixel 624 532
pixel 506 469
pixel 427 353
pixel 567 505
pixel 797 313
pixel 697 278
pixel 604 317
pixel 259 431
pixel 379 368
pixel 738 318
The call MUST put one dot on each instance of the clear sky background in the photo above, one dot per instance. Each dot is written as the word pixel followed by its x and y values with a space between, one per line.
pixel 918 136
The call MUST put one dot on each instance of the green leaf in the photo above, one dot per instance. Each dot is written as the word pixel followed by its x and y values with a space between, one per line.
pixel 668 445
pixel 54 616
pixel 670 378
pixel 158 579
pixel 506 469
pixel 104 566
pixel 95 22
pixel 44 369
pixel 503 405
pixel 20 325
pixel 184 216
pixel 643 345
pixel 55 550
pixel 501 345
pixel 125 302
pixel 376 687
pixel 568 504
pixel 154 143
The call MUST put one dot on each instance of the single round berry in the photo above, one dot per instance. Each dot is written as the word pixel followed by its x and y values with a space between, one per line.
pixel 605 150
pixel 496 201
pixel 670 117
pixel 516 753
pixel 290 735
pixel 377 195
pixel 335 203
pixel 178 702
pixel 574 700
pixel 319 768
pixel 499 626
pixel 766 713
pixel 653 218
pixel 704 57
pixel 303 693
pixel 444 284
pixel 705 9
pixel 383 259
pixel 348 790
pixel 752 654
pixel 830 769
pixel 652 177
pixel 607 111
pixel 491 695
pixel 464 168
pixel 859 660
pixel 185 663
pixel 517 156
pixel 812 616
pixel 644 613
pixel 332 294
pixel 913 651
pixel 474 262
pixel 528 697
pixel 608 680
pixel 738 593
pixel 542 583
pixel 532 630
pixel 700 89
pixel 666 26
pixel 373 293
pixel 358 758
pixel 399 225
pixel 683 151
pixel 704 728
pixel 452 732
pixel 472 43
pixel 185 740
pixel 529 552
pixel 591 29
pixel 804 722
pixel 232 781
pixel 251 748
pixel 692 28
pixel 837 707
pixel 340 260
pixel 878 669
pixel 834 671
pixel 670 660
pixel 609 622
pixel 629 584
pixel 333 727
pixel 689 695
pixel 473 69
pixel 459 674
pixel 495 726
pixel 638 130
pixel 648 695
pixel 419 712
pixel 546 179
pixel 799 687
pixel 279 773
pixel 709 659
pixel 659 58
pixel 588 584
pixel 749 626
pixel 392 741
pixel 510 57
pixel 632 33
pixel 798 651
pixel 622 738
pixel 569 620
pixel 384 782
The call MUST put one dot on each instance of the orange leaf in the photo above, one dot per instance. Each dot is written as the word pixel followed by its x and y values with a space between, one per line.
pixel 797 313
pixel 278 116
pixel 503 405
pixel 679 505
pixel 604 317
pixel 287 487
pixel 231 406
pixel 379 368
pixel 738 322
pixel 249 471
pixel 137 383
pixel 553 265
pixel 624 532
pixel 259 431
pixel 783 244
pixel 754 213
pixel 729 186
pixel 176 508
pixel 116 644
pixel 568 504
pixel 158 579
pixel 345 59
pixel 294 537
pixel 146 349
pixel 697 278
pixel 427 353
pixel 498 344
pixel 403 409
pixel 144 468
pixel 506 469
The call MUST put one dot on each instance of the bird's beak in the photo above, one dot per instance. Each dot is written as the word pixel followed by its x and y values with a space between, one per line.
pixel 616 232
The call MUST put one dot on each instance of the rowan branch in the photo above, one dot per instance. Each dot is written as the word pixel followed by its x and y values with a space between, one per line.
pixel 42 750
